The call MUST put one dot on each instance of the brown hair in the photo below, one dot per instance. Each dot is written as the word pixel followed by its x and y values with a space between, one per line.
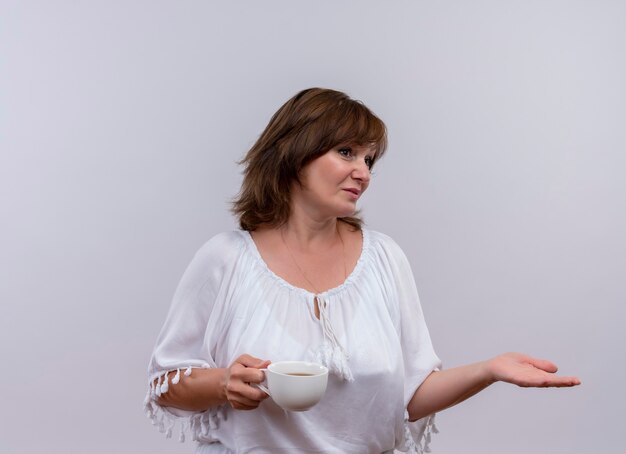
pixel 308 125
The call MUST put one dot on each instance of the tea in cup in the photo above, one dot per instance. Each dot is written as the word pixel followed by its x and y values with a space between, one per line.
pixel 295 385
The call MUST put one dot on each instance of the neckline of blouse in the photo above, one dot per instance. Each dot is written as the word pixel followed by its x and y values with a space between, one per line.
pixel 332 291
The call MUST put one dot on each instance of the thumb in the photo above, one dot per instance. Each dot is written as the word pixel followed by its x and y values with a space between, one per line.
pixel 263 364
pixel 251 361
pixel 544 365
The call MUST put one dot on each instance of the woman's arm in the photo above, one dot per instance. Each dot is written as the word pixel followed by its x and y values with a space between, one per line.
pixel 203 389
pixel 446 388
pixel 206 388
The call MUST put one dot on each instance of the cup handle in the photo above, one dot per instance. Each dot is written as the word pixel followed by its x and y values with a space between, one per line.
pixel 261 386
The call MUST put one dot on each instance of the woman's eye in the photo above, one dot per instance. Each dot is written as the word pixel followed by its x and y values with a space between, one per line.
pixel 345 152
pixel 369 162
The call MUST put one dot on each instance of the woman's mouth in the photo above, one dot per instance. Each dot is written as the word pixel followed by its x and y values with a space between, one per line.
pixel 354 192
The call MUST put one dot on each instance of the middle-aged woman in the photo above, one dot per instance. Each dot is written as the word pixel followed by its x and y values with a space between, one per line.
pixel 304 280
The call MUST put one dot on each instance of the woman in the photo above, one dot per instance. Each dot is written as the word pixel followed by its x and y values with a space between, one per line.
pixel 303 280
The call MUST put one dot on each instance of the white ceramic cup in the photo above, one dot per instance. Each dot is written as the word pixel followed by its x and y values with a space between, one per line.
pixel 295 385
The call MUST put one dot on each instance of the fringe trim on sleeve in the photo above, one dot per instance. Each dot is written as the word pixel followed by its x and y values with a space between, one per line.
pixel 417 441
pixel 198 425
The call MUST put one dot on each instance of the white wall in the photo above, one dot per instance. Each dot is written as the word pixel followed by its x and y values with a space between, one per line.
pixel 120 125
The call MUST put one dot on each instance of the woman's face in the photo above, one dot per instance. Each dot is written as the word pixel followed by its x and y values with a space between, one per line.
pixel 332 183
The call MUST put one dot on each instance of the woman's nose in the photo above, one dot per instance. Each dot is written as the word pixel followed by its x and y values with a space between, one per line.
pixel 361 171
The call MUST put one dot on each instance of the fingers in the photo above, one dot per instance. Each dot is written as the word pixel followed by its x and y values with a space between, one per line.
pixel 522 358
pixel 243 395
pixel 529 372
pixel 251 361
pixel 562 382
pixel 250 372
pixel 245 371
pixel 546 380
pixel 553 380
pixel 543 364
pixel 246 374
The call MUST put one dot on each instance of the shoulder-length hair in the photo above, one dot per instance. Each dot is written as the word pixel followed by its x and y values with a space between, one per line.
pixel 308 125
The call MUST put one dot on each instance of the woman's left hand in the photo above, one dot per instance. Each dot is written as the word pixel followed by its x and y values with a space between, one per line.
pixel 527 372
pixel 449 387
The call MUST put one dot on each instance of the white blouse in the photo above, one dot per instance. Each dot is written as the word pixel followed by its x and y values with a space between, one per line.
pixel 371 334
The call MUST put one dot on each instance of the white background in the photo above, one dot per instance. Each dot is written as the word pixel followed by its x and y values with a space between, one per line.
pixel 120 126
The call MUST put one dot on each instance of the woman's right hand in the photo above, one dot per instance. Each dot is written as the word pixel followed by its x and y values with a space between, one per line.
pixel 239 392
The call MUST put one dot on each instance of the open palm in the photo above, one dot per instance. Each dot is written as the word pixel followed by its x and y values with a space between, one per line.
pixel 525 371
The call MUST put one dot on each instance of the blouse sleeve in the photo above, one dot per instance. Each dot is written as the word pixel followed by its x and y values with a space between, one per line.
pixel 417 350
pixel 187 338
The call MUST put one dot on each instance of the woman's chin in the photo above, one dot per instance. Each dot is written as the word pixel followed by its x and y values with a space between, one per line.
pixel 347 213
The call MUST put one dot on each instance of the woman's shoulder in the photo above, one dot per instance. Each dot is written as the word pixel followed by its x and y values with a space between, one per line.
pixel 222 248
pixel 225 239
pixel 384 249
pixel 381 240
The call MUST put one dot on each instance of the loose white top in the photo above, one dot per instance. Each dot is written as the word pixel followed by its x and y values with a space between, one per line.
pixel 371 335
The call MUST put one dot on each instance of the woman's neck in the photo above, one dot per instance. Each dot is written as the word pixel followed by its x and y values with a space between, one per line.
pixel 307 233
